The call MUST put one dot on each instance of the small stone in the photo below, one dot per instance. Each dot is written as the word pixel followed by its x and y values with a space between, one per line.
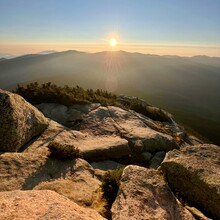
pixel 157 160
pixel 147 156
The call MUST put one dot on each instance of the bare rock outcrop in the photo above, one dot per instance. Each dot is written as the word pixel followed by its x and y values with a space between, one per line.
pixel 91 147
pixel 74 179
pixel 66 115
pixel 81 185
pixel 27 170
pixel 19 121
pixel 114 120
pixel 108 137
pixel 194 172
pixel 42 204
pixel 144 195
pixel 111 121
pixel 110 132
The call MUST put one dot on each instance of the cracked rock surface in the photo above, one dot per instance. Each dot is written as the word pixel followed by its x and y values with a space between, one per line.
pixel 194 172
pixel 107 132
pixel 144 194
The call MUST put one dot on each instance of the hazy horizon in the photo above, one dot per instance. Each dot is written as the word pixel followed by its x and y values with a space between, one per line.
pixel 14 55
pixel 183 28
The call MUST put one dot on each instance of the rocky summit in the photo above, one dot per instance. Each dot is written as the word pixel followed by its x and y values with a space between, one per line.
pixel 94 161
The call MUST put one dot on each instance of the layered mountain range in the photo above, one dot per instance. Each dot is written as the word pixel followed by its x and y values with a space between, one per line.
pixel 188 87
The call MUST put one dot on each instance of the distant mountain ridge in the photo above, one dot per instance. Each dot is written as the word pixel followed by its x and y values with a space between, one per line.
pixel 188 87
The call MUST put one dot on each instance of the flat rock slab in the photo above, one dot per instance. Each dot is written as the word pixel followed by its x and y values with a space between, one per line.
pixel 130 125
pixel 74 179
pixel 144 195
pixel 19 121
pixel 105 132
pixel 194 173
pixel 42 204
pixel 25 171
pixel 102 147
pixel 81 186
pixel 91 147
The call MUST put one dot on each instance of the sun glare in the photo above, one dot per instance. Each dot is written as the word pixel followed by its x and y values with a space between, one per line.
pixel 113 42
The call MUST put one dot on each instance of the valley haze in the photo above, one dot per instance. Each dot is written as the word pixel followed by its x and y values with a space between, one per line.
pixel 188 87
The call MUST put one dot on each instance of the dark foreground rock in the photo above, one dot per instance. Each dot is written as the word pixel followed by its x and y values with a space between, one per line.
pixel 19 121
pixel 42 204
pixel 144 195
pixel 194 173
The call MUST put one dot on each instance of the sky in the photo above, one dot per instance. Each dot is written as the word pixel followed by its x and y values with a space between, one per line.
pixel 174 27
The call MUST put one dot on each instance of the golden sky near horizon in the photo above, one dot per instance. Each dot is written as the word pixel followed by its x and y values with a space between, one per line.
pixel 184 28
pixel 165 49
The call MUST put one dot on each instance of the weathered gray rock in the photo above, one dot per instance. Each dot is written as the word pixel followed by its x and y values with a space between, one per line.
pixel 134 127
pixel 143 194
pixel 194 173
pixel 142 133
pixel 157 160
pixel 58 112
pixel 100 120
pixel 19 121
pixel 74 179
pixel 66 115
pixel 42 204
pixel 91 147
pixel 27 170
pixel 160 115
pixel 129 125
pixel 80 184
pixel 52 110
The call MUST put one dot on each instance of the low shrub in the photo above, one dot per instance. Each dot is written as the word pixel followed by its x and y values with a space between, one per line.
pixel 63 151
pixel 110 185
pixel 51 93
pixel 155 114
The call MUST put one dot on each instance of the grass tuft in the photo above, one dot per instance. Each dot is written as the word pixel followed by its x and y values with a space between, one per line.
pixel 110 185
pixel 63 151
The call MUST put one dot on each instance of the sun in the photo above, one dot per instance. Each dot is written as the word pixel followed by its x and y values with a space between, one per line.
pixel 113 42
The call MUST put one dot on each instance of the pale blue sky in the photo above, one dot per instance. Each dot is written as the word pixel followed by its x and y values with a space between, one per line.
pixel 136 23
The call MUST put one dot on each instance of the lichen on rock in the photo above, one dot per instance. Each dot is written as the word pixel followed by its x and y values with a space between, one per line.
pixel 19 121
